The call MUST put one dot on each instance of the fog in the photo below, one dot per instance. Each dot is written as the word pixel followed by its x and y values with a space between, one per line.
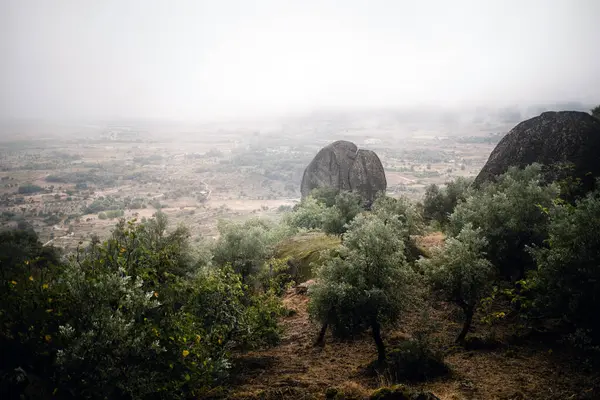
pixel 198 60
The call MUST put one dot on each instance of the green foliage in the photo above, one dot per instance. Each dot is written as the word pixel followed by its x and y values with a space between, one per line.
pixel 439 203
pixel 347 205
pixel 309 214
pixel 112 214
pixel 510 215
pixel 326 209
pixel 18 246
pixel 275 276
pixel 596 111
pixel 104 204
pixel 325 195
pixel 133 317
pixel 567 280
pixel 369 281
pixel 247 245
pixel 55 179
pixel 29 189
pixel 460 272
pixel 401 210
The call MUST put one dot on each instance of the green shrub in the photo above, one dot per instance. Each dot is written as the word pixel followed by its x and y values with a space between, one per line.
pixel 274 275
pixel 347 205
pixel 309 214
pixel 510 215
pixel 247 245
pixel 133 317
pixel 104 204
pixel 439 203
pixel 29 189
pixel 326 209
pixel 567 279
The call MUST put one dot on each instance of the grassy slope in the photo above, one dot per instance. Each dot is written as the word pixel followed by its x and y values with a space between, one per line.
pixel 304 250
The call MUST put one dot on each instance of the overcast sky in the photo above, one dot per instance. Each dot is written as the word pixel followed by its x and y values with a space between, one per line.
pixel 203 59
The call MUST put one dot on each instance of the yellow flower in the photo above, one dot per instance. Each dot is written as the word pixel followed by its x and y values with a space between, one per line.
pixel 48 338
pixel 27 262
pixel 31 278
pixel 45 286
pixel 13 282
pixel 185 353
pixel 49 310
pixel 198 338
pixel 122 249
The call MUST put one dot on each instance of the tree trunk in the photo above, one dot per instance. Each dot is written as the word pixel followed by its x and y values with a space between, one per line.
pixel 469 311
pixel 321 339
pixel 376 331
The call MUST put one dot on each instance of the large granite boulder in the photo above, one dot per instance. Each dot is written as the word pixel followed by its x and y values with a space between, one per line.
pixel 342 166
pixel 567 143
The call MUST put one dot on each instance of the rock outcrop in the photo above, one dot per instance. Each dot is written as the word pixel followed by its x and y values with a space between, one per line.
pixel 342 166
pixel 557 140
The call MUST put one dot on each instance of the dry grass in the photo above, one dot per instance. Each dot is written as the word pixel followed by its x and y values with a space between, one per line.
pixel 297 370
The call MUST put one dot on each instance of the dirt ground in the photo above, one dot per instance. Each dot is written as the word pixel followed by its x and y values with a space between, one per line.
pixel 295 369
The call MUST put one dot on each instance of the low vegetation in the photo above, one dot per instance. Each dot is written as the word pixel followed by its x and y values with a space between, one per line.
pixel 149 314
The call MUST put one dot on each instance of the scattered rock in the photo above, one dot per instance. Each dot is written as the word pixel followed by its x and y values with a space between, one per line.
pixel 554 139
pixel 342 166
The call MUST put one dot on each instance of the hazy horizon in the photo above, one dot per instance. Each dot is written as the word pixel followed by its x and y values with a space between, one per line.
pixel 200 60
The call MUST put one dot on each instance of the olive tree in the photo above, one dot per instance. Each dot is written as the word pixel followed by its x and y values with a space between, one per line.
pixel 367 284
pixel 460 272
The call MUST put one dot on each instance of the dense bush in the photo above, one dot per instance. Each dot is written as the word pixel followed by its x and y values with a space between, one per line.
pixel 307 215
pixel 247 245
pixel 131 318
pixel 346 206
pixel 104 204
pixel 326 209
pixel 510 215
pixel 29 189
pixel 112 214
pixel 439 203
pixel 567 279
